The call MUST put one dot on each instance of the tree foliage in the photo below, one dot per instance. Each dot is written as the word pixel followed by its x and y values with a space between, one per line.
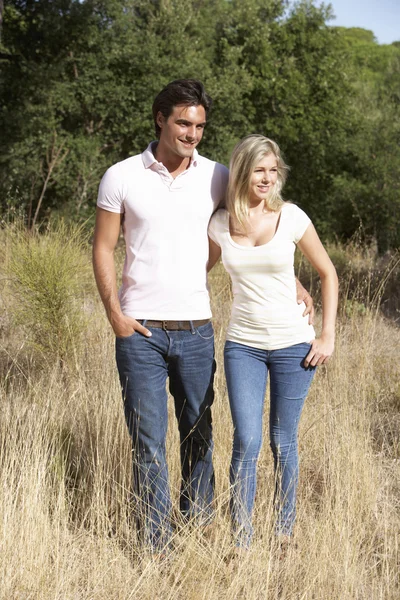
pixel 78 79
pixel 366 191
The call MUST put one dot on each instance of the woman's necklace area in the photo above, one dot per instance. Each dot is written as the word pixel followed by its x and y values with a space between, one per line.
pixel 263 225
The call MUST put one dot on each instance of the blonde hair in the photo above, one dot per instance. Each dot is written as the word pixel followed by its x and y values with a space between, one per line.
pixel 245 157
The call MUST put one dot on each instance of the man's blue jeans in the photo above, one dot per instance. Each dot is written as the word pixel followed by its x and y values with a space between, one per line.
pixel 246 372
pixel 187 358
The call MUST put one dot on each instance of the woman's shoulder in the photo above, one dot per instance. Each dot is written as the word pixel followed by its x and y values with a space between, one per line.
pixel 221 213
pixel 219 217
pixel 218 225
pixel 295 219
pixel 291 208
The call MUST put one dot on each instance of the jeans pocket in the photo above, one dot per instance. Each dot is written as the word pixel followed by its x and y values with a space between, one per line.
pixel 206 332
pixel 125 337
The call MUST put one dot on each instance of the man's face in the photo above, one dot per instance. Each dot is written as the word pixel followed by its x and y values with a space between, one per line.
pixel 182 131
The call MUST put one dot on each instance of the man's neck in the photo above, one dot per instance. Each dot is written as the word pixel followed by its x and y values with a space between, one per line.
pixel 173 163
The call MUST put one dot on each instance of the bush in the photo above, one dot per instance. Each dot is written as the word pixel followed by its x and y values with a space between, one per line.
pixel 49 276
pixel 367 281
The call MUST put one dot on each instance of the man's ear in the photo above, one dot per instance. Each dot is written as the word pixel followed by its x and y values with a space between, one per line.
pixel 160 119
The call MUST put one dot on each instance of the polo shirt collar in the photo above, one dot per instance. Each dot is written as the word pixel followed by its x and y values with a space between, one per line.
pixel 149 159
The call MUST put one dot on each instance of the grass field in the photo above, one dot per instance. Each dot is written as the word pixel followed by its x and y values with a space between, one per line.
pixel 66 530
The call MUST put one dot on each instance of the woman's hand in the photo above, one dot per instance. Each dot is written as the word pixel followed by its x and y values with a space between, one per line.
pixel 303 296
pixel 320 352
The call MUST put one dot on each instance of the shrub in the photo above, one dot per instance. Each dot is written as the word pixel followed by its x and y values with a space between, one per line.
pixel 49 276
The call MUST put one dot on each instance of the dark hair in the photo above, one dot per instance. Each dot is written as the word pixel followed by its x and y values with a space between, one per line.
pixel 185 92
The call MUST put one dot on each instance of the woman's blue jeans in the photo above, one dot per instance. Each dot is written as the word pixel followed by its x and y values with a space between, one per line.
pixel 187 358
pixel 246 372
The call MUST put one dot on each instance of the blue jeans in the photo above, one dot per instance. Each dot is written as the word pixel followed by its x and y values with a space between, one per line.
pixel 246 372
pixel 187 358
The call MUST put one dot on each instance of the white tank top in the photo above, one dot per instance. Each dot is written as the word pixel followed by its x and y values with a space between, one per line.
pixel 265 313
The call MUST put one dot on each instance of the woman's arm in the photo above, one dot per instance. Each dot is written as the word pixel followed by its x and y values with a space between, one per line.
pixel 303 296
pixel 312 248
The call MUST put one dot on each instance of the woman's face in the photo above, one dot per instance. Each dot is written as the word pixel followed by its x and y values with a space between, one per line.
pixel 263 178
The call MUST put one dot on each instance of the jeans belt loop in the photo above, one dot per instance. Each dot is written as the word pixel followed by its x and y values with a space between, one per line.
pixel 192 329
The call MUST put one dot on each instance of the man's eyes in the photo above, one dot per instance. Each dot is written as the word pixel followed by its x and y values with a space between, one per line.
pixel 187 124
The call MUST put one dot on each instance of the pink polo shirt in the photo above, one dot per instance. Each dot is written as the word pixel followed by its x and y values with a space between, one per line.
pixel 165 230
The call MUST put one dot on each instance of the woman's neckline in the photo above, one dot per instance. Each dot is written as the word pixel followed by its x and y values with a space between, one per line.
pixel 236 244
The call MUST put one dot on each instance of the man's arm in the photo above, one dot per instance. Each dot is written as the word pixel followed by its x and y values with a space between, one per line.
pixel 304 296
pixel 214 252
pixel 106 235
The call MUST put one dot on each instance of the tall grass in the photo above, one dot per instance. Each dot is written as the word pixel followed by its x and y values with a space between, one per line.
pixel 66 529
pixel 48 274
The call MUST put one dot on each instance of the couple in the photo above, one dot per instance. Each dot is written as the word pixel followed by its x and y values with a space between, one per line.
pixel 164 199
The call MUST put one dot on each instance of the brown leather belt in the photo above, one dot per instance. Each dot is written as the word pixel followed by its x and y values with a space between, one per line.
pixel 174 325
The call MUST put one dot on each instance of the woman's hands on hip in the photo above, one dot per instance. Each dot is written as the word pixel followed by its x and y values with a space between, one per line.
pixel 320 352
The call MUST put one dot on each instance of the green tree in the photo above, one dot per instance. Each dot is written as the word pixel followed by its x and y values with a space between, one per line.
pixel 366 191
pixel 84 84
pixel 78 80
pixel 287 81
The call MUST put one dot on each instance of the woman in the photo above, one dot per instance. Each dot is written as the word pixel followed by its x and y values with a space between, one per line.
pixel 267 334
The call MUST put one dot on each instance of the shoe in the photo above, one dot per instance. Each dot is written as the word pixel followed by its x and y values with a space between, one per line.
pixel 285 544
pixel 209 532
pixel 235 558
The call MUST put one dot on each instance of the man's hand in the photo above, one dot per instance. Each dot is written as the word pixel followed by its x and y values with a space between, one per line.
pixel 304 296
pixel 125 326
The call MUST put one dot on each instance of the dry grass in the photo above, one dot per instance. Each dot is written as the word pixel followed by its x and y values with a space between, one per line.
pixel 65 524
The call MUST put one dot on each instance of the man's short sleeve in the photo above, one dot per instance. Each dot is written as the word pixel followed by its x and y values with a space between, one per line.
pixel 110 196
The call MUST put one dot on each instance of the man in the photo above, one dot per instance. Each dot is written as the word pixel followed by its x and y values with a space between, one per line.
pixel 164 198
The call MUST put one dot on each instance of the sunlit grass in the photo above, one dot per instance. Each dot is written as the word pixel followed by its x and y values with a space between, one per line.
pixel 66 529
